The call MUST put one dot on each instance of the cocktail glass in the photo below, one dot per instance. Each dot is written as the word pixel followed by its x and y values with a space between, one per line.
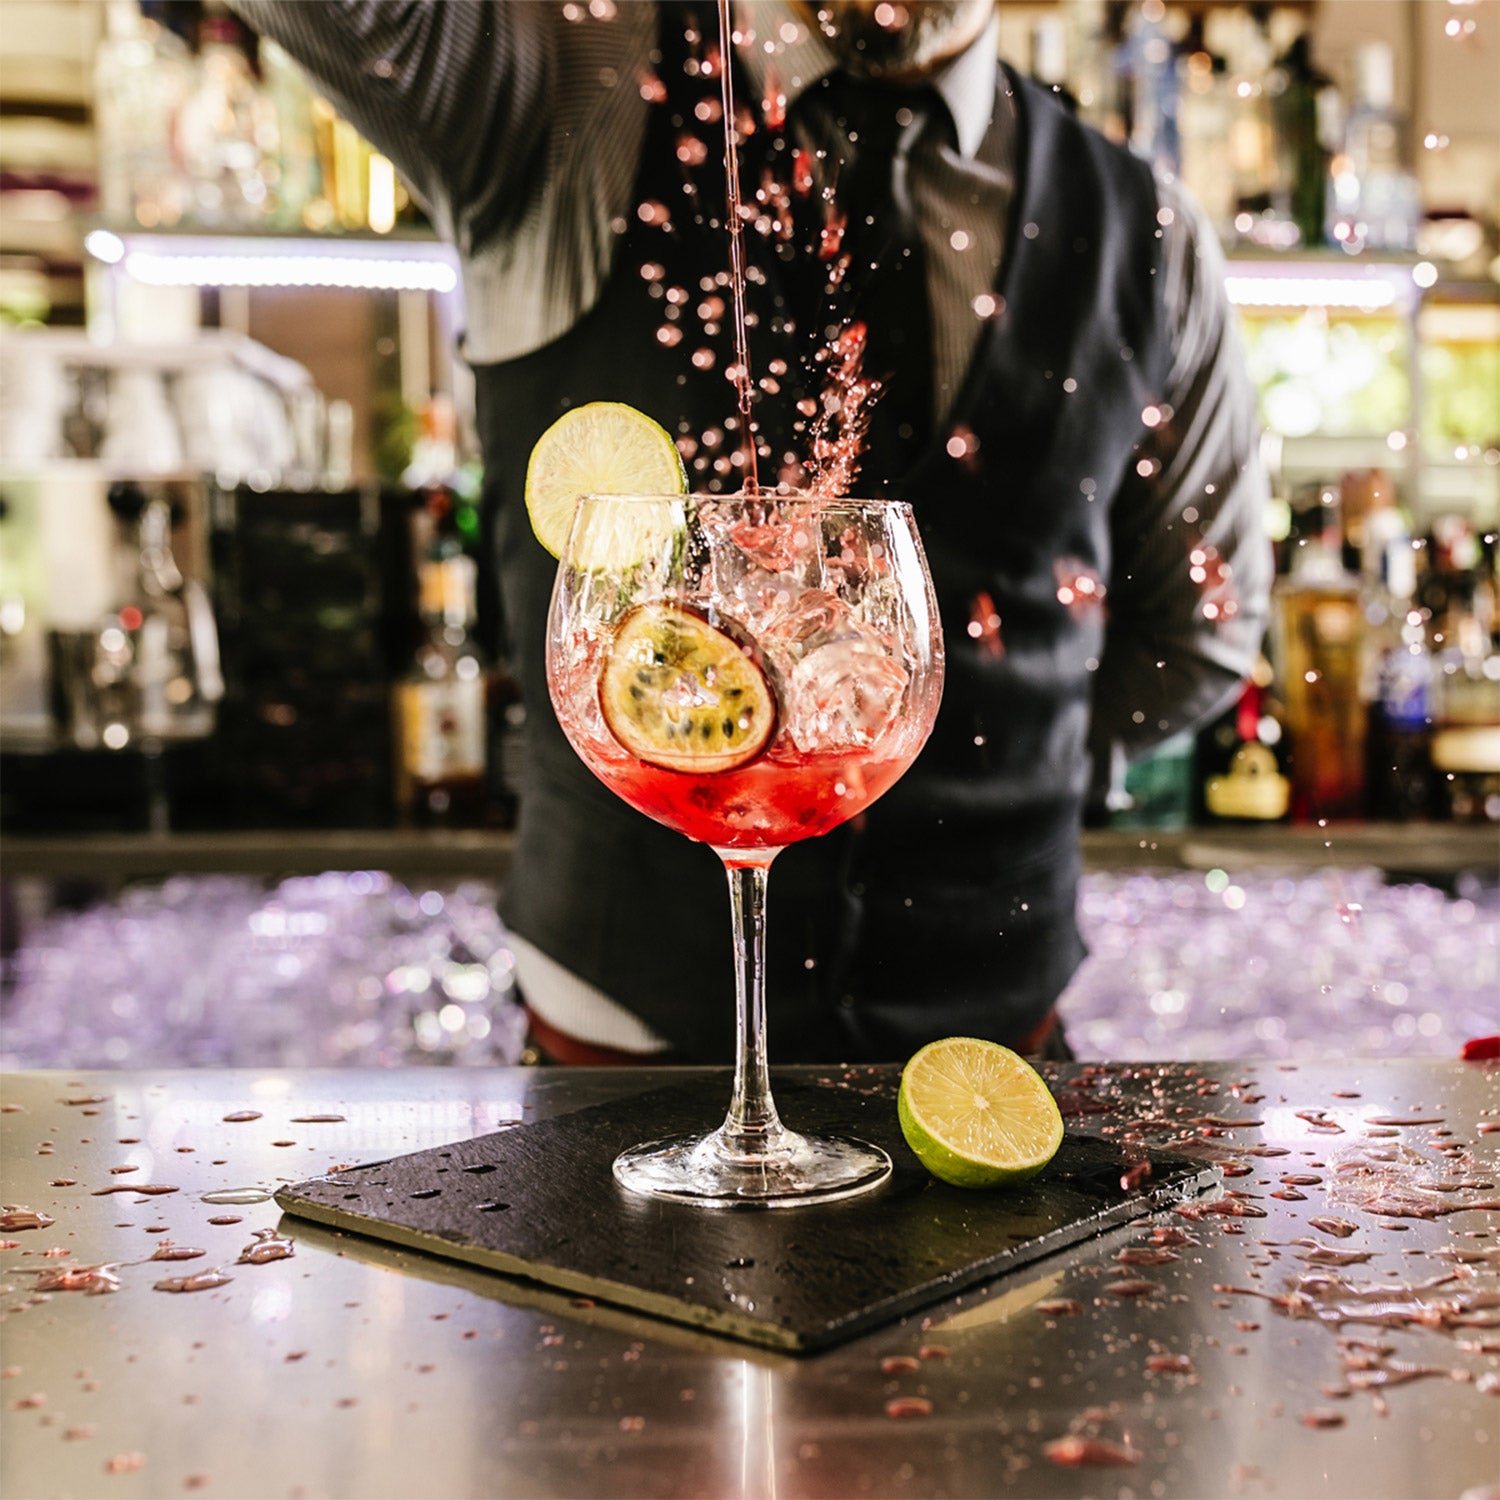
pixel 749 670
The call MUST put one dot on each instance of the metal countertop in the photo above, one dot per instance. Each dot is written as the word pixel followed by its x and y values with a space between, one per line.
pixel 348 1369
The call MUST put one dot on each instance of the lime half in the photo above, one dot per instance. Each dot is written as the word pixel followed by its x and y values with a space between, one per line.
pixel 603 448
pixel 976 1114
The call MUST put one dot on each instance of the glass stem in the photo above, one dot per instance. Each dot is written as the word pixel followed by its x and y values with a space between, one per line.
pixel 752 1127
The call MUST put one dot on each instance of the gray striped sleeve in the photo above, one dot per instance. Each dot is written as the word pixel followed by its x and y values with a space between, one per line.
pixel 518 123
pixel 1192 568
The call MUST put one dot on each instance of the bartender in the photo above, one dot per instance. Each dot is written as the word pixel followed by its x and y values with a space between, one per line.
pixel 1067 410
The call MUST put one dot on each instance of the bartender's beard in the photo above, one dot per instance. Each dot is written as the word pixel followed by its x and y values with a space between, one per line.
pixel 897 41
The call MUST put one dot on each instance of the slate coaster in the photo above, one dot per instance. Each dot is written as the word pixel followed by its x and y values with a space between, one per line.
pixel 539 1201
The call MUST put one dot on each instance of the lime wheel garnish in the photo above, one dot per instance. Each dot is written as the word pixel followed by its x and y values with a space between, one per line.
pixel 604 448
pixel 680 693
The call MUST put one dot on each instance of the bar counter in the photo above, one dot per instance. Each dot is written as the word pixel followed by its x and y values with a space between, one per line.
pixel 1326 1324
pixel 1428 849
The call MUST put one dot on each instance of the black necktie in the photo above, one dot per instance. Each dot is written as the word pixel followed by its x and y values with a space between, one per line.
pixel 869 130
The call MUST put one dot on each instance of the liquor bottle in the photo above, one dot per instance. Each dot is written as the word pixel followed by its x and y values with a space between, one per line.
pixel 1203 110
pixel 226 131
pixel 1466 710
pixel 1239 773
pixel 1374 202
pixel 1306 111
pixel 445 491
pixel 1090 60
pixel 1152 69
pixel 1319 649
pixel 444 521
pixel 441 716
pixel 1253 164
pixel 142 74
pixel 1399 689
pixel 299 200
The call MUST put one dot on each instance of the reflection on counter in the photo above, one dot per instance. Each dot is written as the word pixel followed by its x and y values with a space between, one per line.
pixel 359 970
pixel 223 971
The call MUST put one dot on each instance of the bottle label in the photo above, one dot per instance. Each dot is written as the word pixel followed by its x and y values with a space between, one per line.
pixel 442 729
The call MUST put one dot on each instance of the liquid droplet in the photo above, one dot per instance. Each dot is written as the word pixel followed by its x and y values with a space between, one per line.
pixel 1090 1453
pixel 16 1219
pixel 908 1406
pixel 267 1246
pixel 199 1281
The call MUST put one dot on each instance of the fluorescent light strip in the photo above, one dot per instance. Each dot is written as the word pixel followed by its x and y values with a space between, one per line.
pixel 1309 291
pixel 365 273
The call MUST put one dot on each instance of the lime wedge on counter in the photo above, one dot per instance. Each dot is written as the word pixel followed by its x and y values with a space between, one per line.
pixel 976 1114
pixel 603 448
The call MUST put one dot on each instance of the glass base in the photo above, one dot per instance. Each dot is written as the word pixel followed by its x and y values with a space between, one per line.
pixel 799 1169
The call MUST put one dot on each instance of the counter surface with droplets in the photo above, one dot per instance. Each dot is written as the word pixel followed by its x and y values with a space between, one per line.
pixel 1328 1326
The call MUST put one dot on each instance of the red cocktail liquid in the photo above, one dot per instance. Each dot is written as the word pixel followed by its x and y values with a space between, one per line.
pixel 777 800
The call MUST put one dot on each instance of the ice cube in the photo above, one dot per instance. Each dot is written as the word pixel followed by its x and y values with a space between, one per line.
pixel 843 680
pixel 760 562
pixel 844 695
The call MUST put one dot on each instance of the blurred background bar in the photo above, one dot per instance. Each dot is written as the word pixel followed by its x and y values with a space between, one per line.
pixel 251 669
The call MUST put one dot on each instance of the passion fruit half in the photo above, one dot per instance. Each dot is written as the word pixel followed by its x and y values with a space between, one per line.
pixel 682 694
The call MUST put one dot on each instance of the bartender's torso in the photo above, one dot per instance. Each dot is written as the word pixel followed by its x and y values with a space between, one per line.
pixel 949 905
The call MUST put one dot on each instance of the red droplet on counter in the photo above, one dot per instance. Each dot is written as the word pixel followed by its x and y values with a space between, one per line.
pixel 908 1406
pixel 199 1281
pixel 1059 1307
pixel 1090 1453
pixel 240 1116
pixel 1480 1049
pixel 15 1219
pixel 1321 1416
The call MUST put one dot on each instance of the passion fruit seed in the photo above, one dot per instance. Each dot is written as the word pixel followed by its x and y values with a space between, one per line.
pixel 679 693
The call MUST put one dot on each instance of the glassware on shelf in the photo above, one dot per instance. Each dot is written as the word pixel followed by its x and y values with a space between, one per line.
pixel 749 671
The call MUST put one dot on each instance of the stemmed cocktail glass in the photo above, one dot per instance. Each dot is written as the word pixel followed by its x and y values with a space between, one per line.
pixel 749 670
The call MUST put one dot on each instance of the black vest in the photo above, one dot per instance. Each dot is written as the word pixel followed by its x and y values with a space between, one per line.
pixel 948 908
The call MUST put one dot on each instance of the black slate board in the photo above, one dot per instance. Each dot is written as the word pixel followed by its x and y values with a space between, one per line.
pixel 539 1201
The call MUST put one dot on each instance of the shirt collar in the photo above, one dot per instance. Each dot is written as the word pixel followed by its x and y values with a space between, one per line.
pixel 779 51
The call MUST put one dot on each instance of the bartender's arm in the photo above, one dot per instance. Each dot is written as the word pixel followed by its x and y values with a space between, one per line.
pixel 1190 580
pixel 505 117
